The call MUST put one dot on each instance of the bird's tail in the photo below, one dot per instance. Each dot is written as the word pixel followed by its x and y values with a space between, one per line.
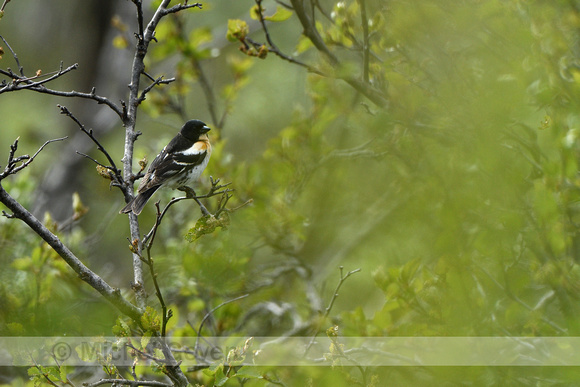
pixel 138 202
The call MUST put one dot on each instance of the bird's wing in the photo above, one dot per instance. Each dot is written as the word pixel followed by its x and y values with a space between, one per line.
pixel 172 161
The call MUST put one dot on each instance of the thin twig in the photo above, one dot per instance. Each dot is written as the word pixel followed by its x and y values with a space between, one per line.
pixel 165 315
pixel 180 7
pixel 208 314
pixel 20 68
pixel 76 94
pixel 12 168
pixel 158 81
pixel 147 355
pixel 273 48
pixel 21 82
pixel 139 6
pixel 214 190
pixel 4 5
pixel 95 161
pixel 335 294
pixel 149 238
pixel 118 178
pixel 331 304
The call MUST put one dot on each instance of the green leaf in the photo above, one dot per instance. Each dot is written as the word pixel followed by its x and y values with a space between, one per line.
pixel 237 30
pixel 150 320
pixel 255 12
pixel 145 339
pixel 281 14
pixel 63 374
pixel 158 353
pixel 52 373
pixel 33 371
pixel 220 377
pixel 121 328
pixel 249 373
pixel 207 225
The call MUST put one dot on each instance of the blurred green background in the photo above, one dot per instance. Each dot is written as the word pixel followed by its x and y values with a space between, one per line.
pixel 458 200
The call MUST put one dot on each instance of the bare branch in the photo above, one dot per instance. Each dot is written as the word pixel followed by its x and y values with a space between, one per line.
pixel 158 81
pixel 160 215
pixel 214 190
pixel 181 7
pixel 94 161
pixel 149 261
pixel 331 304
pixel 147 355
pixel 335 294
pixel 144 37
pixel 12 167
pixel 20 68
pixel 21 82
pixel 274 49
pixel 209 94
pixel 139 5
pixel 117 177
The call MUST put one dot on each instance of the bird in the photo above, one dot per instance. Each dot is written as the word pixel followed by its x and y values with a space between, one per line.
pixel 180 163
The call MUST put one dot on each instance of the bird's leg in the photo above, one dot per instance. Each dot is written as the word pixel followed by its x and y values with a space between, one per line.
pixel 190 193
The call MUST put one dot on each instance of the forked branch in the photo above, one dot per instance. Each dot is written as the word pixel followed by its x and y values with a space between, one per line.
pixel 16 164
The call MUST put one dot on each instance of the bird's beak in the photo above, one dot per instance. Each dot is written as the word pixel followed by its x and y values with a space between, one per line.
pixel 205 129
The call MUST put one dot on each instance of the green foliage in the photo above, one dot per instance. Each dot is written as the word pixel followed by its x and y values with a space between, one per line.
pixel 35 282
pixel 207 225
pixel 458 200
pixel 39 375
pixel 279 15
pixel 150 320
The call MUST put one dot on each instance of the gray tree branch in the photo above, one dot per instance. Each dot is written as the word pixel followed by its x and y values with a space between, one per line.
pixel 144 38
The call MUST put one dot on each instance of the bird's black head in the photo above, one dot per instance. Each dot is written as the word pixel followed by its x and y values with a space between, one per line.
pixel 192 129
